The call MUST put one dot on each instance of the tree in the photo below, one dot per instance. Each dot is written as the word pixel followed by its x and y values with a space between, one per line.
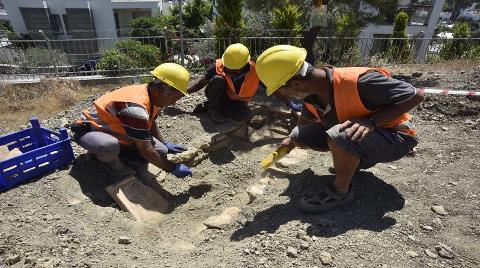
pixel 457 48
pixel 287 17
pixel 399 50
pixel 145 26
pixel 196 13
pixel 229 22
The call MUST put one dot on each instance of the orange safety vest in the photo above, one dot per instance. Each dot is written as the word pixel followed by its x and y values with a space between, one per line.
pixel 103 120
pixel 348 104
pixel 249 86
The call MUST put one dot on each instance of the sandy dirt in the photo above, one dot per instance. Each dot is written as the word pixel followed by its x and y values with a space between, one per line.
pixel 67 219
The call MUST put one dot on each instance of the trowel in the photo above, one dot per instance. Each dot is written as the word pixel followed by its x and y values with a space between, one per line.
pixel 280 152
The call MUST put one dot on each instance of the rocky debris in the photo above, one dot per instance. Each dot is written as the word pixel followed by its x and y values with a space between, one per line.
pixel 430 254
pixel 440 210
pixel 12 259
pixel 326 258
pixel 255 191
pixel 224 219
pixel 437 222
pixel 186 156
pixel 427 227
pixel 417 74
pixel 304 245
pixel 124 240
pixel 292 252
pixel 445 128
pixel 411 254
pixel 444 251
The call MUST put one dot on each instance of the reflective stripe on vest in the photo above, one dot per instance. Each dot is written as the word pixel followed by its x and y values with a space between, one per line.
pixel 249 85
pixel 103 120
pixel 348 104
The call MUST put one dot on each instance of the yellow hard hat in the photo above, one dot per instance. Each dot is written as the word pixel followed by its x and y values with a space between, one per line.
pixel 235 56
pixel 276 65
pixel 174 75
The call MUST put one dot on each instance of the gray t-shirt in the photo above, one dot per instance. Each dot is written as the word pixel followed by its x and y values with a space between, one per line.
pixel 375 90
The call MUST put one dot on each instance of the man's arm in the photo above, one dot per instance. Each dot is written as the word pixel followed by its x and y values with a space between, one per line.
pixel 388 113
pixel 147 151
pixel 155 131
pixel 198 85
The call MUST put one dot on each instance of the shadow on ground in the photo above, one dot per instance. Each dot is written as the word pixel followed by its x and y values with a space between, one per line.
pixel 374 198
pixel 93 180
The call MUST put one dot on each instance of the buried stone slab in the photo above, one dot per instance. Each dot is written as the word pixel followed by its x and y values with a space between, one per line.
pixel 221 221
pixel 145 204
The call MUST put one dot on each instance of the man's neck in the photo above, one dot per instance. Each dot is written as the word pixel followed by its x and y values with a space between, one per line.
pixel 320 85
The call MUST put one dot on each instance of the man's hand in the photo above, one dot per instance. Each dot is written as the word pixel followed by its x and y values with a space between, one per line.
pixel 181 171
pixel 174 148
pixel 297 107
pixel 288 142
pixel 357 129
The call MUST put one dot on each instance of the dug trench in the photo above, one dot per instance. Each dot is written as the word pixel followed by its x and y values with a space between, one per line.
pixel 231 213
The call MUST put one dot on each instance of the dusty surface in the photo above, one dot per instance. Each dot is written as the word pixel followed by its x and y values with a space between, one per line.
pixel 66 219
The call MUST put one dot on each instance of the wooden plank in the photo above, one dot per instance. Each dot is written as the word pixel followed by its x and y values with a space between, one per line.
pixel 145 204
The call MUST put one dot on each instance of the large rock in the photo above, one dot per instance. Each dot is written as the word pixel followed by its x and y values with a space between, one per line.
pixel 255 191
pixel 221 221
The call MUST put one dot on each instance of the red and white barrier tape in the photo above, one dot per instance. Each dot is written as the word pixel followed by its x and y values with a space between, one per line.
pixel 446 91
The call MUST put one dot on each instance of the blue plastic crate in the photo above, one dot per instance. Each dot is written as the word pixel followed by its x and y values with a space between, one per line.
pixel 43 150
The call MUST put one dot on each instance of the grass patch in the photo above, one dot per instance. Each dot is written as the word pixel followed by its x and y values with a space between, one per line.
pixel 18 103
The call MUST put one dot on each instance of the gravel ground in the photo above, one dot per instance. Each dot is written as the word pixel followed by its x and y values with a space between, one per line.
pixel 416 212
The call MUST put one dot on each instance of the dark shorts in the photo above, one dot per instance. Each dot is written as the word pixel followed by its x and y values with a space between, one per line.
pixel 380 146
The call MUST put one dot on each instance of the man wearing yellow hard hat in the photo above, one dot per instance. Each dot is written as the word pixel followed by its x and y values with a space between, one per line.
pixel 359 114
pixel 231 83
pixel 121 123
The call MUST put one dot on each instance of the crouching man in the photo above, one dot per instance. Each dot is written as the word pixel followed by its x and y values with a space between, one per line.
pixel 359 114
pixel 124 121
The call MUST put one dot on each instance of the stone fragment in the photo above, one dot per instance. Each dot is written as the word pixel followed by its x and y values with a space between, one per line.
pixel 224 219
pixel 417 74
pixel 430 254
pixel 411 254
pixel 440 210
pixel 292 252
pixel 427 227
pixel 445 128
pixel 255 191
pixel 437 222
pixel 444 251
pixel 124 240
pixel 304 245
pixel 12 259
pixel 326 258
pixel 186 156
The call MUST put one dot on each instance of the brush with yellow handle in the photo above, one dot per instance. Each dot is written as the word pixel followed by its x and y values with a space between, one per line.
pixel 276 155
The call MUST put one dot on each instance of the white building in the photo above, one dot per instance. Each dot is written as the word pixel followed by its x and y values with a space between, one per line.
pixel 422 25
pixel 66 19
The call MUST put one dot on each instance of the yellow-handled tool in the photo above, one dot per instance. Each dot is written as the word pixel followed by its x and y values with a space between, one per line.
pixel 275 156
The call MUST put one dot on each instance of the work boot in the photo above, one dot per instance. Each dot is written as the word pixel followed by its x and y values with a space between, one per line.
pixel 216 116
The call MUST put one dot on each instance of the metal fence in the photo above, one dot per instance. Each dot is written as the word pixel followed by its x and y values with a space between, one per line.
pixel 32 60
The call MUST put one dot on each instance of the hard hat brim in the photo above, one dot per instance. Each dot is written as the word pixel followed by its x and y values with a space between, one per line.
pixel 170 84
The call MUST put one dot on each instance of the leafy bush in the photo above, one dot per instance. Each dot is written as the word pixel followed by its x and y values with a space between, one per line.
pixel 114 60
pixel 142 55
pixel 456 48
